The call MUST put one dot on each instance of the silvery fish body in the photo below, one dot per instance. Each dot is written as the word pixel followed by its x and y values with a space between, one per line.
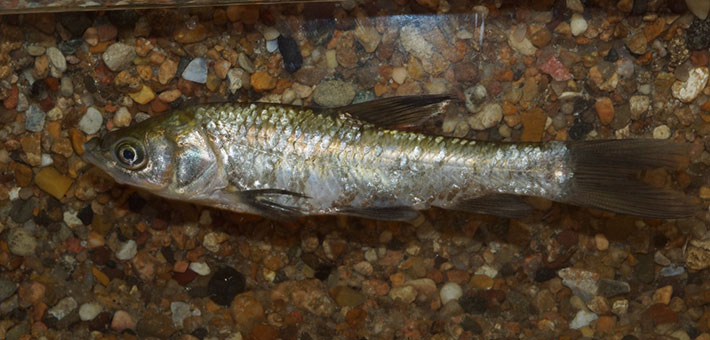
pixel 286 161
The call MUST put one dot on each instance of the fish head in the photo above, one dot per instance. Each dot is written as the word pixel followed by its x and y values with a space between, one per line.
pixel 140 155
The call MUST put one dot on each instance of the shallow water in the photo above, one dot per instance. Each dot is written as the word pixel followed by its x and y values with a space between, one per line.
pixel 83 257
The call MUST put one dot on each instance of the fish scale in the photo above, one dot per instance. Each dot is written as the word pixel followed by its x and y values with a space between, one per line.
pixel 392 177
pixel 285 161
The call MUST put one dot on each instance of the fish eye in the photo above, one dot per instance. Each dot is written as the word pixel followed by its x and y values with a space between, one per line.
pixel 130 153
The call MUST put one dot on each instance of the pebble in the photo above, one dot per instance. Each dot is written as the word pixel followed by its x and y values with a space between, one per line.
pixel 661 132
pixel 489 116
pixel 180 310
pixel 368 37
pixel 34 119
pixel 345 296
pixel 35 50
pixel 201 268
pixel 601 242
pixel 52 182
pixel 221 67
pixel 450 291
pixel 91 122
pixel 411 39
pixel 605 110
pixel 663 295
pixel 517 39
pixel 403 294
pixel 225 284
pixel 399 75
pixel 21 242
pixel 143 96
pixel 292 58
pixel 639 105
pixel 333 93
pixel 122 321
pixel 118 56
pixel 66 88
pixel 122 117
pixel 191 34
pixel 245 63
pixel 238 78
pixel 127 250
pixel 575 5
pixel 555 68
pixel 699 8
pixel 582 318
pixel 262 81
pixel 167 71
pixel 272 46
pixel 583 283
pixel 196 71
pixel 7 288
pixel 270 33
pixel 578 24
pixel 88 311
pixel 57 61
pixel 690 89
pixel 63 308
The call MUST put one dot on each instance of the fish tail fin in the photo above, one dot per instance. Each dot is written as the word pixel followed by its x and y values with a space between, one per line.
pixel 605 177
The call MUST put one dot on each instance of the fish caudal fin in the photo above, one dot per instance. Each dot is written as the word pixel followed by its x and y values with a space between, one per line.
pixel 605 177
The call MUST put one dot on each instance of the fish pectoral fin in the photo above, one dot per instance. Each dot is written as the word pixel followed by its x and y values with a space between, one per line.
pixel 403 214
pixel 402 111
pixel 503 205
pixel 265 202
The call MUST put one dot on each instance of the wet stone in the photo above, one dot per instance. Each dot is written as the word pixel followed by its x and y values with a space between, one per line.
pixel 225 284
pixel 63 308
pixel 7 288
pixel 22 210
pixel 91 122
pixel 196 71
pixel 611 288
pixel 645 268
pixel 698 35
pixel 474 304
pixel 118 56
pixel 292 58
pixel 34 119
pixel 333 93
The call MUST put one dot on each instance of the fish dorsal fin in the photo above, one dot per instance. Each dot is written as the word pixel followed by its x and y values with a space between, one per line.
pixel 393 112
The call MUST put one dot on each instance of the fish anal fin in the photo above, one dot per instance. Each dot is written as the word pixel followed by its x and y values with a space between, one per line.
pixel 402 214
pixel 503 205
pixel 394 112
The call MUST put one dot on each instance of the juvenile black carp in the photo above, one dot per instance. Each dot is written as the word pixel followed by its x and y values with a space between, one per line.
pixel 286 161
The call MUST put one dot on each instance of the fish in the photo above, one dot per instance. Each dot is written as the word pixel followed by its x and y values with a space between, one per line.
pixel 365 160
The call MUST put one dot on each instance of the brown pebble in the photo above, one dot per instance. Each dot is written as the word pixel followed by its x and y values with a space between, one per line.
pixel 661 314
pixel 185 35
pixel 605 110
pixel 533 125
pixel 262 81
pixel 264 332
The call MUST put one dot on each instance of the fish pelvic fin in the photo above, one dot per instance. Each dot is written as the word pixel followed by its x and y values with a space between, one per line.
pixel 398 112
pixel 605 176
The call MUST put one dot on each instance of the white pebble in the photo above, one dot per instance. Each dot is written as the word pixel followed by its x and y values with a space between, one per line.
pixel 47 160
pixel 122 118
pixel 128 250
pixel 661 132
pixel 449 292
pixel 578 25
pixel 399 75
pixel 272 45
pixel 63 308
pixel 89 311
pixel 90 123
pixel 200 268
pixel 583 318
pixel 55 114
